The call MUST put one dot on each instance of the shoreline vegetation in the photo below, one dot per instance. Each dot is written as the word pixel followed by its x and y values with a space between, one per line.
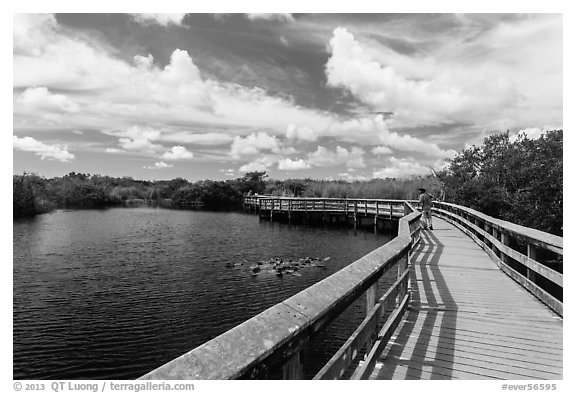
pixel 516 180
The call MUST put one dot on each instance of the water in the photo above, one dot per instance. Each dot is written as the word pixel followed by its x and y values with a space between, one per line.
pixel 113 294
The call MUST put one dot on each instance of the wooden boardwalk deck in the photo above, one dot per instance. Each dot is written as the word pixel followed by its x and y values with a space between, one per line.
pixel 469 320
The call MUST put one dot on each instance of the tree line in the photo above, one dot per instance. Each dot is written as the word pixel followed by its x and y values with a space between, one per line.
pixel 516 180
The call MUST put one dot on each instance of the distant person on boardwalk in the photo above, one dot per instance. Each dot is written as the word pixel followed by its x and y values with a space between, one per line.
pixel 425 203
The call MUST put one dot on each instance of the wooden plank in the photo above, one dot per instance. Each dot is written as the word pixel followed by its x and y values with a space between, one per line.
pixel 477 368
pixel 486 335
pixel 434 329
pixel 551 361
pixel 519 363
pixel 498 330
pixel 407 372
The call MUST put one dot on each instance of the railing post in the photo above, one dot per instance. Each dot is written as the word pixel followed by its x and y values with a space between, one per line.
pixel 376 219
pixel 371 294
pixel 531 253
pixel 355 213
pixel 494 247
pixel 405 263
pixel 488 231
pixel 505 241
pixel 271 209
pixel 406 210
pixel 289 210
pixel 293 369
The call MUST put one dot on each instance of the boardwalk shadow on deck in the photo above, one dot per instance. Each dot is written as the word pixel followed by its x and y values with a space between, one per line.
pixel 432 304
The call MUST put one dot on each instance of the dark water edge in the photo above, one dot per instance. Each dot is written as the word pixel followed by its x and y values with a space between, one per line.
pixel 115 293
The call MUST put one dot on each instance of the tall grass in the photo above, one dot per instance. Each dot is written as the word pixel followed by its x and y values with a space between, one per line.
pixel 406 188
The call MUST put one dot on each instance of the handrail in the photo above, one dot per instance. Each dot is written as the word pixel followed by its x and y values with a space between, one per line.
pixel 274 338
pixel 495 237
pixel 391 208
pixel 322 198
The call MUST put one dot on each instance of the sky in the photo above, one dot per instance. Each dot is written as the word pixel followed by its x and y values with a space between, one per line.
pixel 328 96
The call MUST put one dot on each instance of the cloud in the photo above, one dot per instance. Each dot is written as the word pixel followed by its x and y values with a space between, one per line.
pixel 54 152
pixel 483 78
pixel 253 144
pixel 405 167
pixel 115 93
pixel 159 165
pixel 286 164
pixel 533 132
pixel 381 150
pixel 160 19
pixel 301 133
pixel 138 139
pixel 208 139
pixel 228 172
pixel 322 157
pixel 260 164
pixel 177 153
pixel 375 130
pixel 349 177
pixel 39 98
pixel 271 17
pixel 448 94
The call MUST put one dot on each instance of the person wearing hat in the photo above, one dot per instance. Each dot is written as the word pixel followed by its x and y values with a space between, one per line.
pixel 425 202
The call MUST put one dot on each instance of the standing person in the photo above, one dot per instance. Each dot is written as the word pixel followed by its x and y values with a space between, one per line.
pixel 425 202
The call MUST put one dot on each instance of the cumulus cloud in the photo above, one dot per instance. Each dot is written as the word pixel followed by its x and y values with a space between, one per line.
pixel 442 83
pixel 375 130
pixel 160 19
pixel 159 165
pixel 253 144
pixel 177 153
pixel 404 167
pixel 53 152
pixel 301 133
pixel 286 164
pixel 381 150
pixel 115 93
pixel 322 157
pixel 138 139
pixel 39 98
pixel 448 95
pixel 276 17
pixel 260 164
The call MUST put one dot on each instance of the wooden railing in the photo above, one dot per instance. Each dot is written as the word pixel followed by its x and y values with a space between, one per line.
pixel 274 339
pixel 533 258
pixel 388 208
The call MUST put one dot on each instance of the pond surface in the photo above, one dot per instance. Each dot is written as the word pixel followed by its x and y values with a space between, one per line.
pixel 113 294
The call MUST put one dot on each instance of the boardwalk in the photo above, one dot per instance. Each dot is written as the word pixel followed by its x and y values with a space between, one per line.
pixel 488 308
pixel 469 320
